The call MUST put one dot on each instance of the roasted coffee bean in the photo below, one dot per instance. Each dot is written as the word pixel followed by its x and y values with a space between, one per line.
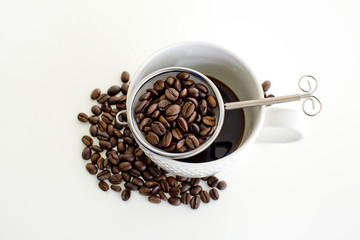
pixel 203 107
pixel 209 121
pixel 93 119
pixel 93 130
pixel 178 85
pixel 95 93
pixel 100 163
pixel 171 94
pixel 188 109
pixel 155 190
pixel 124 88
pixel 164 122
pixel 154 199
pixel 113 90
pixel 145 96
pixel 139 117
pixel 116 188
pixel 158 128
pixel 105 145
pixel 195 190
pixel 145 191
pixel 115 179
pixel 170 80
pixel 188 83
pixel 183 76
pixel 174 191
pixel 110 130
pixel 91 168
pixel 95 157
pixel 96 148
pixel 128 140
pixel 134 173
pixel 103 175
pixel 195 181
pixel 152 138
pixel 198 118
pixel 151 109
pixel 166 140
pixel 112 100
pixel 126 194
pixel 87 140
pixel 221 185
pixel 185 198
pixel 86 153
pixel 202 95
pixel 177 134
pixel 172 118
pixel 175 201
pixel 162 195
pixel 181 179
pixel 121 147
pixel 115 169
pixel 142 106
pixel 125 166
pixel 212 181
pixel 172 181
pixel 131 186
pixel 205 197
pixel 195 129
pixel 183 125
pixel 102 98
pixel 96 110
pixel 103 136
pixel 144 123
pixel 164 185
pixel 205 132
pixel 139 165
pixel 113 158
pixel 205 178
pixel 113 140
pixel 125 76
pixel 211 101
pixel 137 181
pixel 121 99
pixel 164 104
pixel 103 186
pixel 266 85
pixel 159 85
pixel 172 110
pixel 193 100
pixel 160 177
pixel 126 176
pixel 83 117
pixel 193 92
pixel 138 152
pixel 102 126
pixel 181 146
pixel 121 106
pixel 107 118
pixel 201 87
pixel 183 93
pixel 214 194
pixel 151 184
pixel 147 175
pixel 192 142
pixel 185 186
pixel 171 147
pixel 195 202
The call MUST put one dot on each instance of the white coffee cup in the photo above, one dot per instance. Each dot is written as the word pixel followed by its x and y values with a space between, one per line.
pixel 265 125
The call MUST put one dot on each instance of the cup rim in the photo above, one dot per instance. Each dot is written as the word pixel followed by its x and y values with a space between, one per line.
pixel 261 115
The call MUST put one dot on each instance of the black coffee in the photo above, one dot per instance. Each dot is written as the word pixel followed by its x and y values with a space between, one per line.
pixel 231 133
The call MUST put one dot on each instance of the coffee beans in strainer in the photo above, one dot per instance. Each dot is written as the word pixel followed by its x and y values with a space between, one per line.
pixel 177 114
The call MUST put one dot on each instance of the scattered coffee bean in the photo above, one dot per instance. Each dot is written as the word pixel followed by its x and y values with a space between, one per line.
pixel 266 85
pixel 103 175
pixel 126 194
pixel 211 101
pixel 95 93
pixel 221 185
pixel 125 76
pixel 162 195
pixel 154 199
pixel 195 202
pixel 86 154
pixel 196 190
pixel 212 181
pixel 103 186
pixel 125 166
pixel 91 168
pixel 205 197
pixel 192 142
pixel 113 90
pixel 214 194
pixel 131 186
pixel 164 185
pixel 185 198
pixel 87 140
pixel 174 191
pixel 175 201
pixel 115 179
pixel 183 76
pixel 83 117
pixel 116 188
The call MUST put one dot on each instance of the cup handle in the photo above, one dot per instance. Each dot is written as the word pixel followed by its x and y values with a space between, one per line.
pixel 282 125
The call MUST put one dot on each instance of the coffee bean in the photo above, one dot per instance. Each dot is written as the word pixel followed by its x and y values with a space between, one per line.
pixel 205 132
pixel 125 76
pixel 107 118
pixel 96 110
pixel 193 92
pixel 174 191
pixel 198 118
pixel 164 185
pixel 164 122
pixel 86 153
pixel 100 163
pixel 164 104
pixel 95 93
pixel 195 181
pixel 185 186
pixel 115 179
pixel 172 110
pixel 103 175
pixel 193 100
pixel 195 202
pixel 96 148
pixel 172 181
pixel 188 109
pixel 162 195
pixel 131 186
pixel 82 117
pixel 103 186
pixel 93 120
pixel 112 100
pixel 188 83
pixel 171 94
pixel 221 185
pixel 126 176
pixel 102 98
pixel 192 142
pixel 209 121
pixel 151 184
pixel 195 190
pixel 159 85
pixel 154 199
pixel 201 87
pixel 183 125
pixel 93 130
pixel 113 158
pixel 95 157
pixel 170 80
pixel 151 108
pixel 110 130
pixel 171 147
pixel 124 88
pixel 87 140
pixel 145 191
pixel 185 198
pixel 211 101
pixel 103 136
pixel 142 106
pixel 113 90
pixel 152 138
pixel 125 166
pixel 175 201
pixel 128 140
pixel 91 168
pixel 212 181
pixel 266 85
pixel 183 93
pixel 181 178
pixel 166 140
pixel 172 118
pixel 178 85
pixel 183 76
pixel 155 190
pixel 139 165
pixel 158 128
pixel 126 194
pixel 137 181
pixel 203 107
pixel 121 147
pixel 138 152
pixel 177 134
pixel 144 123
pixel 205 197
pixel 145 96
pixel 105 145
pixel 195 129
pixel 116 188
pixel 139 117
pixel 102 126
pixel 181 146
pixel 115 169
pixel 214 194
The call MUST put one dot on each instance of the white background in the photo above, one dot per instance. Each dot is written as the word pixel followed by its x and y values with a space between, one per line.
pixel 53 53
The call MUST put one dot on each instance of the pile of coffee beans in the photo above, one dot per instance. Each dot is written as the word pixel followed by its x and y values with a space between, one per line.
pixel 177 114
pixel 118 162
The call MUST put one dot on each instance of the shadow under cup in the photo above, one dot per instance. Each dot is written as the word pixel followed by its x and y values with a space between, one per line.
pixel 240 126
